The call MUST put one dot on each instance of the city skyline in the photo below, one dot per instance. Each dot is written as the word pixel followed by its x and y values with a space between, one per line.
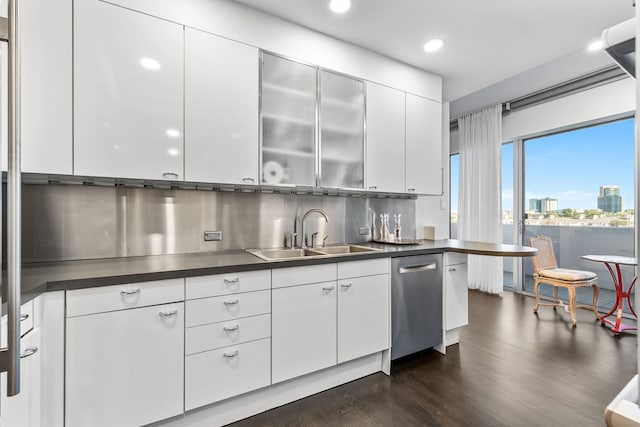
pixel 570 167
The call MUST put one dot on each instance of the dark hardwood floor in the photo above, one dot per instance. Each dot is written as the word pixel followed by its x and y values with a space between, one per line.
pixel 512 368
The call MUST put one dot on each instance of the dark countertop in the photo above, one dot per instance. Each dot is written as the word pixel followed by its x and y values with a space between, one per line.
pixel 65 275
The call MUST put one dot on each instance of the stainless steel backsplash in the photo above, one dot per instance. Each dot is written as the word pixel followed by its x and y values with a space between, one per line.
pixel 70 222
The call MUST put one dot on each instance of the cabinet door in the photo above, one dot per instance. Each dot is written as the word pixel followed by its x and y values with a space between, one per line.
pixel 46 116
pixel 385 139
pixel 424 146
pixel 341 131
pixel 456 296
pixel 221 110
pixel 303 329
pixel 288 122
pixel 125 368
pixel 24 409
pixel 128 93
pixel 363 316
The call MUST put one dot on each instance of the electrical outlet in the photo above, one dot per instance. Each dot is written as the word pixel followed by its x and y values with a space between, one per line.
pixel 213 236
pixel 363 231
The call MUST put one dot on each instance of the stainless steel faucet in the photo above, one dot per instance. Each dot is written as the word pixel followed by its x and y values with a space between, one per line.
pixel 304 217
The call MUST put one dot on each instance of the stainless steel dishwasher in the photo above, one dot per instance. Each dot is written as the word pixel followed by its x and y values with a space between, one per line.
pixel 416 303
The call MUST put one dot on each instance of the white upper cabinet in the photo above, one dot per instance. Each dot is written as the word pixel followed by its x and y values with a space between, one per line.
pixel 46 115
pixel 424 146
pixel 221 110
pixel 128 93
pixel 385 139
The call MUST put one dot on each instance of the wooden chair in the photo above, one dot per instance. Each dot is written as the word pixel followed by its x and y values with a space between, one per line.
pixel 546 271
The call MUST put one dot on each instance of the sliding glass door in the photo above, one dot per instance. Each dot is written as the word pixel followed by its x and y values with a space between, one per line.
pixel 579 190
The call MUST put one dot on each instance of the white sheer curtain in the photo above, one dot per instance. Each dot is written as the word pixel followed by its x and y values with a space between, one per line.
pixel 479 193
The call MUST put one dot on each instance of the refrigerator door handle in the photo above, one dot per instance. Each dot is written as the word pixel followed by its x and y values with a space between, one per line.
pixel 10 357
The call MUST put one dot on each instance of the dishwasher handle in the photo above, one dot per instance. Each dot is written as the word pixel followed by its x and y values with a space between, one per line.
pixel 417 268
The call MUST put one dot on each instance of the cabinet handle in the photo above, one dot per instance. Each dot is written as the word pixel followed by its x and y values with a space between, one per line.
pixel 452 269
pixel 29 351
pixel 24 317
pixel 373 187
pixel 248 180
pixel 232 354
pixel 133 292
pixel 411 190
pixel 231 328
pixel 232 302
pixel 328 288
pixel 170 174
pixel 231 281
pixel 345 285
pixel 168 313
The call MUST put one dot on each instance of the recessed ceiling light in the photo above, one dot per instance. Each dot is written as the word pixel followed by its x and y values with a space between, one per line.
pixel 433 45
pixel 595 45
pixel 340 6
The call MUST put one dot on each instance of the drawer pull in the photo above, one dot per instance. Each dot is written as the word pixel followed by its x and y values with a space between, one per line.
pixel 411 190
pixel 328 288
pixel 232 281
pixel 373 187
pixel 170 175
pixel 232 354
pixel 232 302
pixel 248 180
pixel 231 328
pixel 452 269
pixel 132 292
pixel 345 285
pixel 24 317
pixel 168 313
pixel 29 351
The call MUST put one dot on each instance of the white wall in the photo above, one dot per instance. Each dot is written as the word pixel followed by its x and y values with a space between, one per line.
pixel 612 100
pixel 247 25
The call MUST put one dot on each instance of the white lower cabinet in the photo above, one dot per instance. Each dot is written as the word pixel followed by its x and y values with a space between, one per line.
pixel 227 336
pixel 218 374
pixel 125 368
pixel 23 409
pixel 363 316
pixel 456 291
pixel 303 329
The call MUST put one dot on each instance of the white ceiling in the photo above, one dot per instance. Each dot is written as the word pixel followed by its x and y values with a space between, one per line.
pixel 487 41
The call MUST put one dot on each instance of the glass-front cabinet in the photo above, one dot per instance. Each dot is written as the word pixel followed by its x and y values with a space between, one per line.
pixel 288 122
pixel 312 126
pixel 341 131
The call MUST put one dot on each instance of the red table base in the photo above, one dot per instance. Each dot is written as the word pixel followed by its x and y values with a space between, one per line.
pixel 617 326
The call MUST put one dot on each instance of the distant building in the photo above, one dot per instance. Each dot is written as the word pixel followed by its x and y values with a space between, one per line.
pixel 543 205
pixel 609 199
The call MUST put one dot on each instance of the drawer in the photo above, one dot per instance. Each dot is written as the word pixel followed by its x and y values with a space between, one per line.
pixel 26 322
pixel 224 284
pixel 223 334
pixel 453 258
pixel 218 309
pixel 282 277
pixel 119 297
pixel 219 374
pixel 367 267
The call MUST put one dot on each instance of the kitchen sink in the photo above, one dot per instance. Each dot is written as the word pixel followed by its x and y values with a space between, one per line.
pixel 345 249
pixel 297 253
pixel 283 253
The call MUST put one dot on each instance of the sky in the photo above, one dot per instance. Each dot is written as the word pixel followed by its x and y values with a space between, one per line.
pixel 569 166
